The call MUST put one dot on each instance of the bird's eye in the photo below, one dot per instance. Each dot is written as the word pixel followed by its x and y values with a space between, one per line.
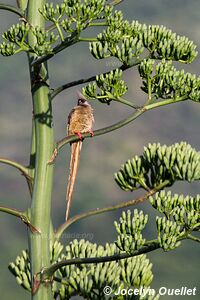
pixel 81 101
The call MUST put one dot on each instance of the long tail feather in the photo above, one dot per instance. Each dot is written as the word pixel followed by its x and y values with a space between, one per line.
pixel 74 161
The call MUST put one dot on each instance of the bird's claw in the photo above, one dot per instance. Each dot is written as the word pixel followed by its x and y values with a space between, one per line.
pixel 91 133
pixel 79 135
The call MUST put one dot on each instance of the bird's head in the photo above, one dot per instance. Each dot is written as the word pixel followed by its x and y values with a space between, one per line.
pixel 82 100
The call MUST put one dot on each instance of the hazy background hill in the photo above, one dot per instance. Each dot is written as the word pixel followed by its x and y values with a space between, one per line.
pixel 101 156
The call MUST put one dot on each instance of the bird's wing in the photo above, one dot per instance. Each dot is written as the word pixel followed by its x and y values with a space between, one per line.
pixel 69 119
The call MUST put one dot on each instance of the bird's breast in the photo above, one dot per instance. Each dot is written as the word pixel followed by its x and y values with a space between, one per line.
pixel 81 120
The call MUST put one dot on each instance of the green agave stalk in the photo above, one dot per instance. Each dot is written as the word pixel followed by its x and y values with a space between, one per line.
pixel 44 142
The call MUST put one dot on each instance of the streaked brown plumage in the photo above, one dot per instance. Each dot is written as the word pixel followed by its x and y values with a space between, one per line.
pixel 80 120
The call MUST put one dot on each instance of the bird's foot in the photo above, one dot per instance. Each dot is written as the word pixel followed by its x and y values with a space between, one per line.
pixel 79 135
pixel 91 133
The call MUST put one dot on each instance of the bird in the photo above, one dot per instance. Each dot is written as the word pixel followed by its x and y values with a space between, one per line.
pixel 80 120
